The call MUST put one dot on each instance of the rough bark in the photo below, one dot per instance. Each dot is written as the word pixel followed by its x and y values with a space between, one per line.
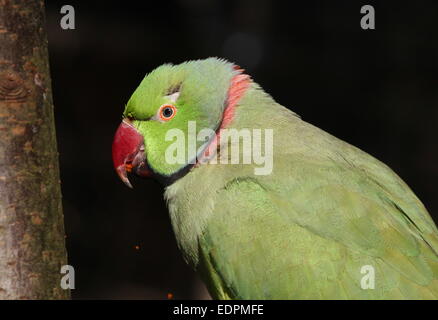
pixel 32 241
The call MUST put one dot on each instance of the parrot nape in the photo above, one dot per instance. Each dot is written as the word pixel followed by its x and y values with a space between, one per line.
pixel 307 229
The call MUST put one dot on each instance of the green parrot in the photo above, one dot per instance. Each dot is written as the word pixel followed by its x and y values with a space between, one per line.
pixel 265 205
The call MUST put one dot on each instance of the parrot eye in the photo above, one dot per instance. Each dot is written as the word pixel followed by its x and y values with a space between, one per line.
pixel 167 112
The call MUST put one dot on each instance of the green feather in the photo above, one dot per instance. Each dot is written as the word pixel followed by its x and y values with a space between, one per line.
pixel 306 230
pixel 303 232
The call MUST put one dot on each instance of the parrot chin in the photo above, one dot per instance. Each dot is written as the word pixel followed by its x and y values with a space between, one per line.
pixel 129 152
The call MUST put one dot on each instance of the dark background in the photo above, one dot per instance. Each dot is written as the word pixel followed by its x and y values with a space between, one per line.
pixel 376 89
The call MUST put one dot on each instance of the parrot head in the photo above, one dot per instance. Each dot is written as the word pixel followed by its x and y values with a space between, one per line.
pixel 167 99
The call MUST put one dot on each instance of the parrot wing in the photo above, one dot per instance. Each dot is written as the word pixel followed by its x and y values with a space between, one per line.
pixel 336 230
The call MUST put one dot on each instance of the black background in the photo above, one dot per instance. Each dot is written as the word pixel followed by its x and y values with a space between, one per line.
pixel 376 89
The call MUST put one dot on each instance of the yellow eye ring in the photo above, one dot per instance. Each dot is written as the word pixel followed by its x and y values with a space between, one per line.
pixel 167 112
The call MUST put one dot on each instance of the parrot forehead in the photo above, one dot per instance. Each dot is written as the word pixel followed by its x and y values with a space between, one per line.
pixel 158 87
pixel 192 81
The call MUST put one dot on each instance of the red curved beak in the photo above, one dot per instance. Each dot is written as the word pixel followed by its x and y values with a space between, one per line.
pixel 128 152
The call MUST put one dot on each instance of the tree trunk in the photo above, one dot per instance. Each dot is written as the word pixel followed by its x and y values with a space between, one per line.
pixel 32 241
